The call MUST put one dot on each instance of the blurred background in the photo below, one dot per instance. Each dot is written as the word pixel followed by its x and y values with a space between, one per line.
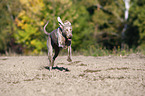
pixel 100 27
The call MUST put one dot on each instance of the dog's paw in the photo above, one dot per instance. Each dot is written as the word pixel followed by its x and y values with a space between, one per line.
pixel 50 68
pixel 69 59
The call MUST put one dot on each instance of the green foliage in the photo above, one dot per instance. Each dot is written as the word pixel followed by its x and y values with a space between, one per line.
pixel 136 29
pixel 97 24
pixel 28 27
pixel 7 26
pixel 3 22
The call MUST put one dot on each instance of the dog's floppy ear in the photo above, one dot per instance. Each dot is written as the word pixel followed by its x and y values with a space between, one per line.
pixel 67 23
pixel 60 22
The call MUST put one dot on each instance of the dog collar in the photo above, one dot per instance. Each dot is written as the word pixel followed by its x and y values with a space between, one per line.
pixel 60 29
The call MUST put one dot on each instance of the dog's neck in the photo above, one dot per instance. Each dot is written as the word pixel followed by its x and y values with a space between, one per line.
pixel 63 34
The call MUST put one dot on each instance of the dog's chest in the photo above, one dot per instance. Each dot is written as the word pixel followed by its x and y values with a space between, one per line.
pixel 62 40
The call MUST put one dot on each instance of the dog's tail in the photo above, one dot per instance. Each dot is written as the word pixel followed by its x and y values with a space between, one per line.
pixel 45 29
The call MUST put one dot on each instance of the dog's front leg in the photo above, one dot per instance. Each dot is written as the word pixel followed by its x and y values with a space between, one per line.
pixel 69 54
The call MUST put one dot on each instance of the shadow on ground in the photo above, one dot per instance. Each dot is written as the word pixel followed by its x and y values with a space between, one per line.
pixel 58 68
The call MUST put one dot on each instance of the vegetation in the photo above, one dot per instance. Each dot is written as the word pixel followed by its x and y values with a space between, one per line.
pixel 97 25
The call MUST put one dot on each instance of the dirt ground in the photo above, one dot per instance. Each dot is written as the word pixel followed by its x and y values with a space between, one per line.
pixel 84 76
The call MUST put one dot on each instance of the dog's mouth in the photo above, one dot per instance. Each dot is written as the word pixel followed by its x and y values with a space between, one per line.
pixel 69 39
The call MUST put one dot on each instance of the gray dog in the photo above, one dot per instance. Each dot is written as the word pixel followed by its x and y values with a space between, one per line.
pixel 58 39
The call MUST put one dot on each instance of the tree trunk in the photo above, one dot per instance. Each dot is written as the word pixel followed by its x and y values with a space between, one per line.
pixel 126 13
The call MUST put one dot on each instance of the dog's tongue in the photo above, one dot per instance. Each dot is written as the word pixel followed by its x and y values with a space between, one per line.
pixel 69 39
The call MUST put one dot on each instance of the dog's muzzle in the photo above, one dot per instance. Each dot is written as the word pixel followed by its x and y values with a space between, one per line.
pixel 69 37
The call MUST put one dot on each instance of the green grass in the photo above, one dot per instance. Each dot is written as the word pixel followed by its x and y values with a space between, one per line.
pixel 91 51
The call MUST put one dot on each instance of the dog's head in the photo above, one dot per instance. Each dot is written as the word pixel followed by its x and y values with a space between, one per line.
pixel 66 28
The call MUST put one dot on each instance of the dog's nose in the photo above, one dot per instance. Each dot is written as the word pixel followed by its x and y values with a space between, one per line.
pixel 70 36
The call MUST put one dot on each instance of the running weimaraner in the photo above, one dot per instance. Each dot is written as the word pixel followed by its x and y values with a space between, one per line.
pixel 58 39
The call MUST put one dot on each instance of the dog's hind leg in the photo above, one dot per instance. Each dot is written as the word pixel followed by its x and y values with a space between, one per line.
pixel 57 50
pixel 50 52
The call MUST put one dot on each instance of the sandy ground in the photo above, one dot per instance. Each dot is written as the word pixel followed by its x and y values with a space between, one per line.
pixel 85 76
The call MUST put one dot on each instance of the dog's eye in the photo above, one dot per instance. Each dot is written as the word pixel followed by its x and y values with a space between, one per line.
pixel 66 29
pixel 70 29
